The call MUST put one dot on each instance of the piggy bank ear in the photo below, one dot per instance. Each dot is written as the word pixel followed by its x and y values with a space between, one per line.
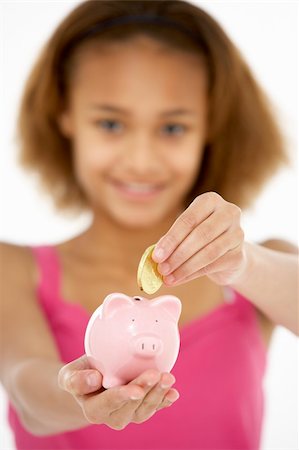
pixel 169 303
pixel 115 302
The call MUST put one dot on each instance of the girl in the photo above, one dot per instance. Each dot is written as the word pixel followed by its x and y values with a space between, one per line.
pixel 144 113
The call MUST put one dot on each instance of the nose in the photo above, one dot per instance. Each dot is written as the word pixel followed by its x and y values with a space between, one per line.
pixel 140 155
pixel 147 346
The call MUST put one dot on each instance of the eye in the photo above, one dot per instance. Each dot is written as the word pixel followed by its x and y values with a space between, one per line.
pixel 133 320
pixel 110 125
pixel 174 129
pixel 156 320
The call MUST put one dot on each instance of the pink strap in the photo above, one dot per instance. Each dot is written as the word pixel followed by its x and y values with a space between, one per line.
pixel 49 274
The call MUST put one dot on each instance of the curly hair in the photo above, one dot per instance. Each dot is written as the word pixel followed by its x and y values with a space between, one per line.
pixel 244 145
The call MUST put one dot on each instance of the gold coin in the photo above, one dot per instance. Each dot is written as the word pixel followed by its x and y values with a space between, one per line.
pixel 148 278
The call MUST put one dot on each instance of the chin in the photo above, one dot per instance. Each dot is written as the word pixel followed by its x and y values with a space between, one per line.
pixel 137 224
pixel 138 221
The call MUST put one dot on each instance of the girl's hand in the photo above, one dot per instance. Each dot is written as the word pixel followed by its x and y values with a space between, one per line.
pixel 206 239
pixel 118 406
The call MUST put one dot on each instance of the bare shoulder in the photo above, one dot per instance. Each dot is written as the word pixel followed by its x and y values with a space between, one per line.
pixel 17 261
pixel 280 245
pixel 18 268
pixel 266 325
pixel 9 249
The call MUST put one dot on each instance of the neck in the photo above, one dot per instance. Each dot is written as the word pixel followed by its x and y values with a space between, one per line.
pixel 107 240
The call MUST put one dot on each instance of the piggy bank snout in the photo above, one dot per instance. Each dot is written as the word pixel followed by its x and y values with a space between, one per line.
pixel 147 346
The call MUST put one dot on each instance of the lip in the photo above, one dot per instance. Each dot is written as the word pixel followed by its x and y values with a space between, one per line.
pixel 151 190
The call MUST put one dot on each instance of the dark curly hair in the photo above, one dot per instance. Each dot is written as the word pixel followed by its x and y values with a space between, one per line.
pixel 244 146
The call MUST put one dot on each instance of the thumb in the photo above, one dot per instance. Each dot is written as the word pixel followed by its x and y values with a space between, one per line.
pixel 79 378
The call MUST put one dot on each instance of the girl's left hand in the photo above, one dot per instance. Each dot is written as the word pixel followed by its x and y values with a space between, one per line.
pixel 207 239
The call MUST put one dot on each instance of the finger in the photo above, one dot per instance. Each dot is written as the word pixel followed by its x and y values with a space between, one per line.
pixel 199 210
pixel 154 398
pixel 98 408
pixel 148 381
pixel 206 256
pixel 226 263
pixel 124 414
pixel 83 382
pixel 114 398
pixel 171 397
pixel 206 232
pixel 144 382
pixel 78 365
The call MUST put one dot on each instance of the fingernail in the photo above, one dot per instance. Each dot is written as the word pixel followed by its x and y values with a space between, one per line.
pixel 69 381
pixel 136 397
pixel 92 379
pixel 164 268
pixel 169 280
pixel 158 254
pixel 166 386
pixel 177 396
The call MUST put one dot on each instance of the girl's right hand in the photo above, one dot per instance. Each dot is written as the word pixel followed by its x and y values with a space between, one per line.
pixel 116 407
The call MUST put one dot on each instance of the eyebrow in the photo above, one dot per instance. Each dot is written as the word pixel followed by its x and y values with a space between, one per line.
pixel 114 109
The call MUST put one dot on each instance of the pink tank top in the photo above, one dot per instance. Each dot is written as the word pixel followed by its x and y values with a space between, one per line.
pixel 219 374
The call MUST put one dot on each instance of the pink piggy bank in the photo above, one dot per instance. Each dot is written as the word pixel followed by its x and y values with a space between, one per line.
pixel 128 335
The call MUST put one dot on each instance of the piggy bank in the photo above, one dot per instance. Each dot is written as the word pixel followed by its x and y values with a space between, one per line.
pixel 128 335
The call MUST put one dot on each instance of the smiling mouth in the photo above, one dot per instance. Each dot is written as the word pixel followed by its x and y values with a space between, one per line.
pixel 136 190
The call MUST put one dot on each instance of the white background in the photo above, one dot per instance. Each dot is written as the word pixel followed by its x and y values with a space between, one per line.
pixel 266 33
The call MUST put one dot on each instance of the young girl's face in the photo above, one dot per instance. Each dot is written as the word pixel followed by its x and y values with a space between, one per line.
pixel 137 120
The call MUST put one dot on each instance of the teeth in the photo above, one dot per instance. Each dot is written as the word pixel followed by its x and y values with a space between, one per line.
pixel 139 187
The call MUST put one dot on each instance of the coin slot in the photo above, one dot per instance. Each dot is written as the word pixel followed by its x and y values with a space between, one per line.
pixel 137 298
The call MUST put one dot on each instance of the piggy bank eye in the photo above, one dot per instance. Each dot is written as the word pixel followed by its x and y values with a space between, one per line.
pixel 133 320
pixel 156 320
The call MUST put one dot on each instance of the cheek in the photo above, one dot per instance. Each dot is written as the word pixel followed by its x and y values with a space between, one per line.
pixel 88 150
pixel 90 156
pixel 186 165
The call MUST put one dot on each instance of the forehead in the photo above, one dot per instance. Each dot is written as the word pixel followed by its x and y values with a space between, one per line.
pixel 140 69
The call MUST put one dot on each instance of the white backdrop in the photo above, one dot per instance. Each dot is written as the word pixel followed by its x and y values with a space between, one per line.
pixel 266 33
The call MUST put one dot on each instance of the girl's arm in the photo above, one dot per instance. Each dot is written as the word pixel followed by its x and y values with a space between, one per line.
pixel 270 281
pixel 49 397
pixel 29 359
pixel 207 239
